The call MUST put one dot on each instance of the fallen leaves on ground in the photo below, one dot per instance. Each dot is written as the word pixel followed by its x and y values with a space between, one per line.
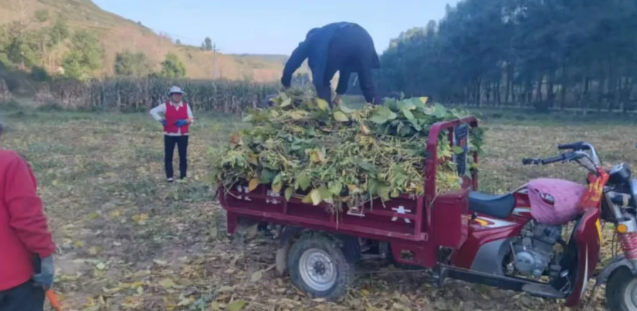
pixel 129 241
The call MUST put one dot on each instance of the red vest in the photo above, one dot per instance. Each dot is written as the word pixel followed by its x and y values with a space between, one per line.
pixel 173 115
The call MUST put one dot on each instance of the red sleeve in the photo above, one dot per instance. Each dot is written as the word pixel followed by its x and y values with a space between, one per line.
pixel 26 215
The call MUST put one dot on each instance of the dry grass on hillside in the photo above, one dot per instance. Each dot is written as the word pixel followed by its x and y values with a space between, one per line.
pixel 118 34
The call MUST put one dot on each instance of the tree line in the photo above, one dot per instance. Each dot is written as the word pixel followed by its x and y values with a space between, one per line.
pixel 542 54
pixel 42 46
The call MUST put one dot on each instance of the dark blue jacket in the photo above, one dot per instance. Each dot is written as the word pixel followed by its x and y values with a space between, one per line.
pixel 315 49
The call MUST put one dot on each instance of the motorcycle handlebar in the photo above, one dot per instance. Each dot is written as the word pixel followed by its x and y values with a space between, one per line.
pixel 580 145
pixel 561 158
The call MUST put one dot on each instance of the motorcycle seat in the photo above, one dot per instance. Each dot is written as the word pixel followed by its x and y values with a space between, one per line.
pixel 499 206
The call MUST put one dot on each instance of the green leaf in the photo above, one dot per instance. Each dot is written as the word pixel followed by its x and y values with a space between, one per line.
pixel 346 109
pixel 248 118
pixel 325 193
pixel 277 184
pixel 315 195
pixel 322 104
pixel 382 114
pixel 303 181
pixel 458 150
pixel 286 102
pixel 267 176
pixel 383 192
pixel 405 110
pixel 340 116
pixel 366 166
pixel 336 187
pixel 440 111
pixel 289 192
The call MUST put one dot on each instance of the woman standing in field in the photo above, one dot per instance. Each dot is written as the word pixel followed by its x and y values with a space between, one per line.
pixel 176 116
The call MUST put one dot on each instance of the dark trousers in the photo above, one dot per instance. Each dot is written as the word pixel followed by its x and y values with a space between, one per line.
pixel 169 150
pixel 25 297
pixel 351 50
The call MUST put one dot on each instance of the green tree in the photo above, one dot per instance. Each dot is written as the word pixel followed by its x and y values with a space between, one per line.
pixel 178 42
pixel 172 67
pixel 534 53
pixel 85 56
pixel 22 50
pixel 132 64
pixel 208 44
pixel 59 31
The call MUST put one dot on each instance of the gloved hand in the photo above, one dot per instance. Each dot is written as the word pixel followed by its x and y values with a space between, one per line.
pixel 181 123
pixel 163 122
pixel 47 271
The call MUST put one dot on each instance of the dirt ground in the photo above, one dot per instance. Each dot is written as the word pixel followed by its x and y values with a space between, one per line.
pixel 129 241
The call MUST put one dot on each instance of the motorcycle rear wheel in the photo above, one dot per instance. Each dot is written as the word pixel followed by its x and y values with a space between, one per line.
pixel 621 291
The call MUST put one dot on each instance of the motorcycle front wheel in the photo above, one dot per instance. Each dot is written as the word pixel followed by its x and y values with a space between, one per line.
pixel 621 291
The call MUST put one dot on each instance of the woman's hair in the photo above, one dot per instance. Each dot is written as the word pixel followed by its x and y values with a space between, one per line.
pixel 1 128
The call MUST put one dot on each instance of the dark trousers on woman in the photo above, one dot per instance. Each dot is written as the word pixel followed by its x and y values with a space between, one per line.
pixel 169 150
pixel 25 297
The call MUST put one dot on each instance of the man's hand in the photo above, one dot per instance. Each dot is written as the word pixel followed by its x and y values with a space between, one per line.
pixel 44 279
pixel 181 123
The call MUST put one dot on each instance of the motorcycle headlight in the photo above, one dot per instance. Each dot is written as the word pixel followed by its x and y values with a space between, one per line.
pixel 619 174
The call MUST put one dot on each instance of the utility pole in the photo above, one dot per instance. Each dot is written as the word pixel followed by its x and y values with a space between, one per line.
pixel 214 61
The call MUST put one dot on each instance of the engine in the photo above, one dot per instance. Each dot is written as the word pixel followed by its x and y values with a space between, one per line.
pixel 533 249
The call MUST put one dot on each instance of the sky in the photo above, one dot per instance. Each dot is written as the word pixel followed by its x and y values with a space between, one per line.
pixel 273 27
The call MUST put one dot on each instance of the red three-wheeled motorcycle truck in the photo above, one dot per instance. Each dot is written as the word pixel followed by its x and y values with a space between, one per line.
pixel 543 239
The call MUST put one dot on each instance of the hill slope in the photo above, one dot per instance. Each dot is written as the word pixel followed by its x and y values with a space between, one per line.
pixel 118 34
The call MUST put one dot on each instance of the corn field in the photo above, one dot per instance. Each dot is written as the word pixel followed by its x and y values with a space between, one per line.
pixel 134 94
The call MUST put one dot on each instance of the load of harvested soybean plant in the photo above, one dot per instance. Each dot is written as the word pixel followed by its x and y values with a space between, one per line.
pixel 338 156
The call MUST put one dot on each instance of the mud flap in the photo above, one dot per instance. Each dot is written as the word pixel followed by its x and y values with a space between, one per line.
pixel 587 238
pixel 612 266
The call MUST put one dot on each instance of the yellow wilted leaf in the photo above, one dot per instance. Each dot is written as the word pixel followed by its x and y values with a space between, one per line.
pixel 78 244
pixel 115 213
pixel 256 276
pixel 236 139
pixel 167 283
pixel 424 99
pixel 364 129
pixel 141 218
pixel 236 305
pixel 307 199
pixel 286 102
pixel 184 302
pixel 340 116
pixel 277 187
pixel 253 184
pixel 315 195
pixel 323 105
pixel 317 156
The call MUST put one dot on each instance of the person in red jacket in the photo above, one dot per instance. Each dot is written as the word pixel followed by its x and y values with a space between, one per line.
pixel 26 245
pixel 176 117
